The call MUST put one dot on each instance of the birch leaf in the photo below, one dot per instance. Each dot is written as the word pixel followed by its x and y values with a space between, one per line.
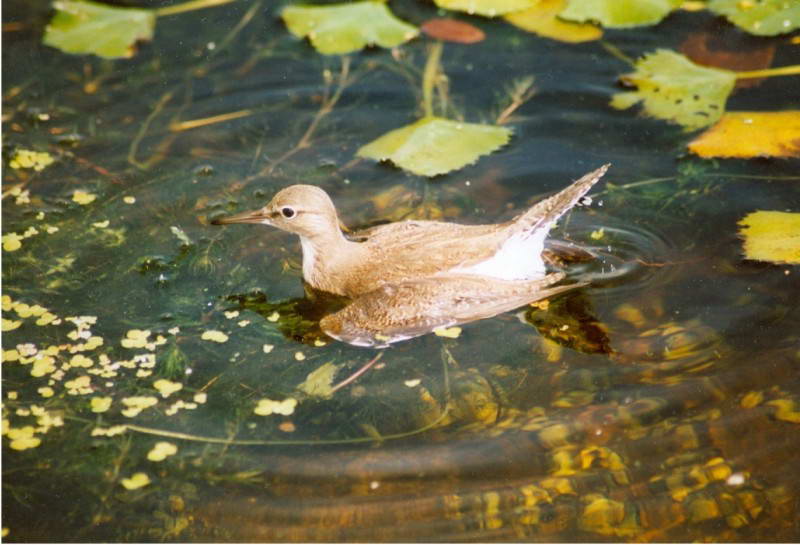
pixel 771 235
pixel 106 31
pixel 339 29
pixel 433 145
pixel 760 17
pixel 751 134
pixel 673 88
pixel 487 8
pixel 542 19
pixel 619 13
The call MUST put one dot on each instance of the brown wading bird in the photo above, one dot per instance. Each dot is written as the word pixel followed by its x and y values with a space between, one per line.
pixel 408 278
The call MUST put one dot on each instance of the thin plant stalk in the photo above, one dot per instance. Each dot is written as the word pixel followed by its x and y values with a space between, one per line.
pixel 429 76
pixel 793 70
pixel 190 6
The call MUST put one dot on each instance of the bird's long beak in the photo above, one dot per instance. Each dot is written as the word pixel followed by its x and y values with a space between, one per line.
pixel 251 216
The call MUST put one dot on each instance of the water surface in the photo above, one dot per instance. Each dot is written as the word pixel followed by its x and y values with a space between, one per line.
pixel 658 403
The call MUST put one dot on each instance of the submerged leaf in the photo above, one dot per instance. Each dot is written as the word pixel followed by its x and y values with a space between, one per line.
pixel 751 134
pixel 675 89
pixel 451 30
pixel 489 8
pixel 318 382
pixel 771 235
pixel 619 13
pixel 433 145
pixel 542 19
pixel 760 17
pixel 343 28
pixel 106 31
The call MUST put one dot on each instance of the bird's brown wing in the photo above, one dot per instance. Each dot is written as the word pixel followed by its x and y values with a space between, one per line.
pixel 395 312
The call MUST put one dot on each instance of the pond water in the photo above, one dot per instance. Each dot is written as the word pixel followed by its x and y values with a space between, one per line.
pixel 659 403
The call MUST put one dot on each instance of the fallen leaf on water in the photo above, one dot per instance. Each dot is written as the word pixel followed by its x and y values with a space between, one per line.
pixel 12 242
pixel 772 236
pixel 83 197
pixel 137 404
pixel 673 88
pixel 339 29
pixel 267 407
pixel 10 325
pixel 100 404
pixel 23 438
pixel 760 17
pixel 161 451
pixel 37 160
pixel 137 480
pixel 106 31
pixel 449 332
pixel 542 19
pixel 487 8
pixel 166 387
pixel 751 134
pixel 619 13
pixel 434 145
pixel 214 335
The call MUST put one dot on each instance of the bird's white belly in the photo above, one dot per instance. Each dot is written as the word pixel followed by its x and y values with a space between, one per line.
pixel 519 258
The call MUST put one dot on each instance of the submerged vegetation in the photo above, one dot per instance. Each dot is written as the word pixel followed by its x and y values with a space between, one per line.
pixel 171 379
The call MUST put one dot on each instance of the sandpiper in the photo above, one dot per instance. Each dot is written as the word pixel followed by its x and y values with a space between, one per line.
pixel 408 278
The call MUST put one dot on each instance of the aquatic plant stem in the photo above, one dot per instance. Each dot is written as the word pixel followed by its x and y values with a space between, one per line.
pixel 432 68
pixel 328 103
pixel 793 70
pixel 617 52
pixel 190 6
pixel 358 373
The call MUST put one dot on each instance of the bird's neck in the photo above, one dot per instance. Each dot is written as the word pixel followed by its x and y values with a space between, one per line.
pixel 323 254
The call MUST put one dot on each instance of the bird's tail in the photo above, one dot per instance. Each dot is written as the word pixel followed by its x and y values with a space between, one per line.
pixel 546 212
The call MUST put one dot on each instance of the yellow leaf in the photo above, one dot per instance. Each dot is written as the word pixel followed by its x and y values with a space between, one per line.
pixel 772 236
pixel 267 407
pixel 10 325
pixel 137 480
pixel 449 332
pixel 100 404
pixel 542 19
pixel 214 335
pixel 12 242
pixel 166 387
pixel 487 8
pixel 83 197
pixel 161 450
pixel 751 134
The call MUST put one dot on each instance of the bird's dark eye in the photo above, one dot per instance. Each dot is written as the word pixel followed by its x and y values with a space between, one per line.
pixel 287 212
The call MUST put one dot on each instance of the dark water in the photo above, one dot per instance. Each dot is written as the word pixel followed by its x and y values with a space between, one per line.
pixel 659 403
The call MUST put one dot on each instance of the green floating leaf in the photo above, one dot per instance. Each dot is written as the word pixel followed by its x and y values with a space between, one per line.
pixel 343 28
pixel 487 8
pixel 675 89
pixel 434 146
pixel 619 13
pixel 760 17
pixel 88 27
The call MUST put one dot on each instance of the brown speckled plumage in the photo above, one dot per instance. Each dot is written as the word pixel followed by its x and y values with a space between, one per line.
pixel 409 277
